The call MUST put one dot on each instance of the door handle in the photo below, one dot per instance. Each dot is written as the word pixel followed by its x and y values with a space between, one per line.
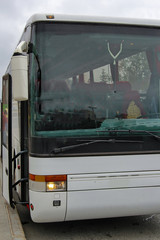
pixel 6 170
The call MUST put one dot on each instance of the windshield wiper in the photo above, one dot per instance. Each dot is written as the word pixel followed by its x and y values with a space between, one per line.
pixel 134 131
pixel 89 142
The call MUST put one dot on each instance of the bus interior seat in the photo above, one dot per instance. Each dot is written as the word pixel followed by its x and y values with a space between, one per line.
pixel 115 98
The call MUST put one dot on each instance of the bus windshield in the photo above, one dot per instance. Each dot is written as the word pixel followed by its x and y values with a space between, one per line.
pixel 94 78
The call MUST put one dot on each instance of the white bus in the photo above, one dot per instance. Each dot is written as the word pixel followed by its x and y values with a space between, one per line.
pixel 81 118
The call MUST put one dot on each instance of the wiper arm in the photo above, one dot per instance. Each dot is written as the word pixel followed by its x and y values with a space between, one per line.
pixel 153 135
pixel 89 142
pixel 134 131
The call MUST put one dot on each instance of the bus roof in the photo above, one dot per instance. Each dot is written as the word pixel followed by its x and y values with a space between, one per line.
pixel 92 19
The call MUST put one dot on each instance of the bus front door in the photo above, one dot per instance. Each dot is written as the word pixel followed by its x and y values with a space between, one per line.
pixel 6 138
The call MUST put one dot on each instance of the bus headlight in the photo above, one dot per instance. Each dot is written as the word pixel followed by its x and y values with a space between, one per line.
pixel 49 183
pixel 56 186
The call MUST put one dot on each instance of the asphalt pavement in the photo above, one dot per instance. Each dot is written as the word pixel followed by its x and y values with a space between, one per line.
pixel 10 224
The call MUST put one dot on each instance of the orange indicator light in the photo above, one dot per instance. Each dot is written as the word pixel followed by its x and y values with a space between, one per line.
pixel 50 16
pixel 47 178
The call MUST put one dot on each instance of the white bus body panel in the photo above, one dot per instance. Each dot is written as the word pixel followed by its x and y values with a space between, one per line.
pixel 94 164
pixel 5 180
pixel 113 181
pixel 113 195
pixel 112 203
pixel 16 142
pixel 98 187
pixel 44 211
pixel 92 19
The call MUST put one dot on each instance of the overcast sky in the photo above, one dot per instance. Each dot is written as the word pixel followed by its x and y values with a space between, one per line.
pixel 15 13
